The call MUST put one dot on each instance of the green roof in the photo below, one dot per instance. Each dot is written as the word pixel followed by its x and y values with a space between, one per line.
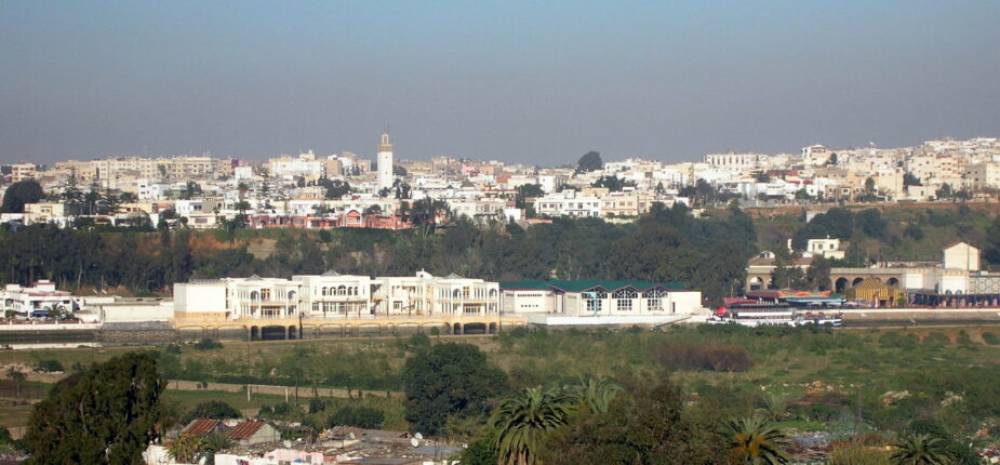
pixel 583 285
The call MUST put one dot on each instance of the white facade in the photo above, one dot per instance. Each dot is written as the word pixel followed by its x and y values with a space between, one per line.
pixel 961 256
pixel 39 299
pixel 828 248
pixel 332 295
pixel 568 203
pixel 598 300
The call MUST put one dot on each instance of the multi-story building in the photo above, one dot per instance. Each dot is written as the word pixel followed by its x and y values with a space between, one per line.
pixel 568 203
pixel 736 161
pixel 332 295
pixel 21 171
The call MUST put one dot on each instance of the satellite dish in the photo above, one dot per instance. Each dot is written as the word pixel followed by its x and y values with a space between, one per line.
pixel 414 442
pixel 418 436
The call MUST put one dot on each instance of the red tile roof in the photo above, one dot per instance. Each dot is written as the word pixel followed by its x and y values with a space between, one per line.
pixel 201 427
pixel 245 429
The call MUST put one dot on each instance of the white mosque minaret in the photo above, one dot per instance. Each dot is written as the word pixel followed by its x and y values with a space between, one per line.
pixel 385 175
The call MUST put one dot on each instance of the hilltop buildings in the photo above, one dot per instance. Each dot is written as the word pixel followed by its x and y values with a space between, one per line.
pixel 341 189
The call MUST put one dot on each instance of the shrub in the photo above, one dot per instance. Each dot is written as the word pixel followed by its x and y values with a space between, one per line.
pixel 709 357
pixel 937 339
pixel 49 366
pixel 207 344
pixel 361 417
pixel 897 340
pixel 279 410
pixel 991 339
pixel 316 406
pixel 857 454
pixel 214 409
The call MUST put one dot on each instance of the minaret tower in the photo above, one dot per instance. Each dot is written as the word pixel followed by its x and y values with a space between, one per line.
pixel 385 176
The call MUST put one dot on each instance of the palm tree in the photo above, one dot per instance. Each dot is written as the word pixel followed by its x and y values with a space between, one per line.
pixel 595 393
pixel 523 421
pixel 922 449
pixel 753 441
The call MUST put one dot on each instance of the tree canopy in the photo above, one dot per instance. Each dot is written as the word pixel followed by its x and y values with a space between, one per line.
pixel 448 379
pixel 20 193
pixel 105 415
pixel 590 161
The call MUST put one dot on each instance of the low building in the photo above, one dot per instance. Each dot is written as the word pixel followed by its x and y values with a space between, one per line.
pixel 39 300
pixel 599 301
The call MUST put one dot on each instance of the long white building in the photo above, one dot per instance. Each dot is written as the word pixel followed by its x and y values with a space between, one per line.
pixel 333 295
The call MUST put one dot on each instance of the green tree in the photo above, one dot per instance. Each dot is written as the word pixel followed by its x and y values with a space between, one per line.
pixel 753 441
pixel 596 394
pixel 992 249
pixel 214 409
pixel 523 421
pixel 590 161
pixel 359 416
pixel 105 415
pixel 481 452
pixel 448 379
pixel 944 192
pixel 910 180
pixel 20 193
pixel 525 192
pixel 922 449
pixel 186 448
pixel 17 377
pixel 644 425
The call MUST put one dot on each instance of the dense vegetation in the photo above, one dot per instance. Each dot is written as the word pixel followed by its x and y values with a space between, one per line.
pixel 707 253
pixel 689 392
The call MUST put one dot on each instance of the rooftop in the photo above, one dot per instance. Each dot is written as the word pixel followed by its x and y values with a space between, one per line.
pixel 583 285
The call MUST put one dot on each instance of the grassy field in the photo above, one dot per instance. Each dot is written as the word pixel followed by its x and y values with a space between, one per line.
pixel 818 379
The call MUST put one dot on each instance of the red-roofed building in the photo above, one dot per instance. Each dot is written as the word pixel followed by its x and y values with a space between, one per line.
pixel 203 427
pixel 253 432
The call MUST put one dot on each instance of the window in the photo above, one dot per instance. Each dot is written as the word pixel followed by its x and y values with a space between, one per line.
pixel 595 300
pixel 623 299
pixel 654 300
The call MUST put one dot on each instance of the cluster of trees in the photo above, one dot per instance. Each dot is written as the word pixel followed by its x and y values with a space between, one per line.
pixel 707 253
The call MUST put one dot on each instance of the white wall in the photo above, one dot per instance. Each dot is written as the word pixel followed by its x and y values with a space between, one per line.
pixel 200 297
pixel 153 311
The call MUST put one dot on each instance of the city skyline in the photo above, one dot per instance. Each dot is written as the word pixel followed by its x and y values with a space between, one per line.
pixel 541 84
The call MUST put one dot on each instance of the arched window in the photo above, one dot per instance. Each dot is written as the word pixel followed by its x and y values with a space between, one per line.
pixel 341 290
pixel 254 296
pixel 594 299
pixel 623 299
pixel 654 299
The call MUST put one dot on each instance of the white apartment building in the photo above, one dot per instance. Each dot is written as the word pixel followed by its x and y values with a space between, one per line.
pixel 46 213
pixel 568 203
pixel 736 161
pixel 305 165
pixel 21 171
pixel 333 295
pixel 982 176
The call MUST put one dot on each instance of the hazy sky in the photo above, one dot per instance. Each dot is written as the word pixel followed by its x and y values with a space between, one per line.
pixel 520 81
